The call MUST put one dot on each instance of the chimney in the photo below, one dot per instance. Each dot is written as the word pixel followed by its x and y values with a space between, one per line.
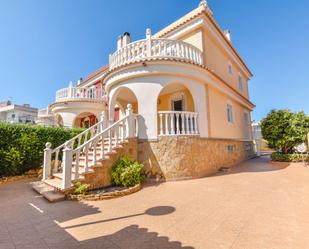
pixel 126 39
pixel 228 35
pixel 80 81
pixel 148 33
pixel 119 42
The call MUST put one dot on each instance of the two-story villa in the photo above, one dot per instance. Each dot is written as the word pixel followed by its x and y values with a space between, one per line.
pixel 177 99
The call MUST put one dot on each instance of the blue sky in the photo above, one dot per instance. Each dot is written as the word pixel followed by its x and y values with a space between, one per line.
pixel 45 44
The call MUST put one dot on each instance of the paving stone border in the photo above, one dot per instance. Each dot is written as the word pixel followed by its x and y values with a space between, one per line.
pixel 105 196
pixel 280 163
pixel 28 175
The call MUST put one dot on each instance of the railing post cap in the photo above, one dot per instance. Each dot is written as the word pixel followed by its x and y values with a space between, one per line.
pixel 129 106
pixel 48 145
pixel 67 145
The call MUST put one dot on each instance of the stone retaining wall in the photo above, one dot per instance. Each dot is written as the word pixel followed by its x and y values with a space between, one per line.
pixel 185 157
pixel 102 174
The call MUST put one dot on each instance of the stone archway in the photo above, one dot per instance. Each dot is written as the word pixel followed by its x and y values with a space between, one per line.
pixel 85 120
pixel 175 94
pixel 176 111
pixel 58 120
pixel 119 100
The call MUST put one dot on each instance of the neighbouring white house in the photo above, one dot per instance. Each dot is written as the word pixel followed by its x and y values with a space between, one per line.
pixel 177 101
pixel 13 113
pixel 260 142
pixel 45 117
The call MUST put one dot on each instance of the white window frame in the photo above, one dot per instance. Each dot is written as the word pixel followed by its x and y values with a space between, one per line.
pixel 229 68
pixel 230 113
pixel 176 97
pixel 246 120
pixel 240 83
pixel 91 92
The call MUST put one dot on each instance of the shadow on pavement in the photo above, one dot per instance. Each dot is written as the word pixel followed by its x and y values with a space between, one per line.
pixel 28 221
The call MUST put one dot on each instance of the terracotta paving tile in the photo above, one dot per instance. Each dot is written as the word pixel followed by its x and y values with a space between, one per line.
pixel 256 205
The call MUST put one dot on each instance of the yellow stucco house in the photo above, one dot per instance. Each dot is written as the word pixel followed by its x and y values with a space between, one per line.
pixel 177 101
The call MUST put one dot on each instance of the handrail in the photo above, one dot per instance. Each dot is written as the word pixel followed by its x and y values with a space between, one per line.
pixel 78 135
pixel 176 112
pixel 101 133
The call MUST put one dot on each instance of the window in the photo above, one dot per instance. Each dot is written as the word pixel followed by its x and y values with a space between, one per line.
pixel 230 117
pixel 231 148
pixel 240 83
pixel 246 118
pixel 13 115
pixel 230 69
pixel 91 93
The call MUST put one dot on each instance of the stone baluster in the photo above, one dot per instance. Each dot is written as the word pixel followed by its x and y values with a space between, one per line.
pixel 177 124
pixel 192 124
pixel 195 124
pixel 161 124
pixel 102 147
pixel 47 161
pixel 86 151
pixel 183 124
pixel 56 161
pixel 172 124
pixel 77 164
pixel 187 123
pixel 166 124
pixel 67 166
pixel 94 160
pixel 116 135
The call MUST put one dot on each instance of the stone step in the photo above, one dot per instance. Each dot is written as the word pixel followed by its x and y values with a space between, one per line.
pixel 54 182
pixel 81 169
pixel 59 176
pixel 47 191
pixel 54 196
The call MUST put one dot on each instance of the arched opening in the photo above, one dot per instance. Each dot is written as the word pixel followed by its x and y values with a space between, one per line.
pixel 119 101
pixel 176 111
pixel 58 120
pixel 85 120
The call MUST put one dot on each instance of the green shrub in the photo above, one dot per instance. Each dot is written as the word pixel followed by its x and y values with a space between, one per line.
pixel 127 172
pixel 81 188
pixel 279 157
pixel 22 146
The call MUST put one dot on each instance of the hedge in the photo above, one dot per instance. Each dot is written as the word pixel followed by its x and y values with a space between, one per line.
pixel 279 157
pixel 22 146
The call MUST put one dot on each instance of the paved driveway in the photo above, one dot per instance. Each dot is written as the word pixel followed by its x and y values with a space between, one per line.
pixel 256 205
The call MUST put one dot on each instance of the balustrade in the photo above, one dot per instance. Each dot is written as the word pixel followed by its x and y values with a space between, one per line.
pixel 175 123
pixel 79 93
pixel 155 48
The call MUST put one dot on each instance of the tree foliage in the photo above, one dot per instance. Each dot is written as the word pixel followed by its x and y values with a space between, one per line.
pixel 283 129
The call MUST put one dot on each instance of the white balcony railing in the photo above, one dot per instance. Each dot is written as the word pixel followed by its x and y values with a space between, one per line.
pixel 175 123
pixel 156 49
pixel 79 93
pixel 44 112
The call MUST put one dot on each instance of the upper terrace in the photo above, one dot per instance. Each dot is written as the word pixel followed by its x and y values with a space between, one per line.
pixel 153 49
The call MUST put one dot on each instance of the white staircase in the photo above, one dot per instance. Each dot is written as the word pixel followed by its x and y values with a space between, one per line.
pixel 82 154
